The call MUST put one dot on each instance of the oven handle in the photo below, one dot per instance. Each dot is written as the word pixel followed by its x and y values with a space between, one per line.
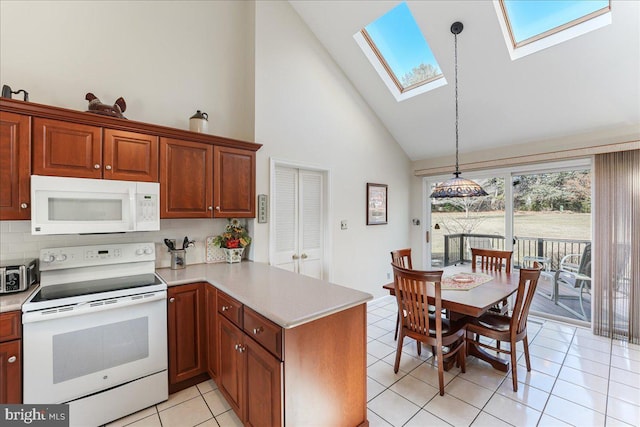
pixel 91 307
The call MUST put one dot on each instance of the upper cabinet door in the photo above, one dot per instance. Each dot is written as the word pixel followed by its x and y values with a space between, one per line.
pixel 66 149
pixel 15 166
pixel 185 179
pixel 130 156
pixel 234 183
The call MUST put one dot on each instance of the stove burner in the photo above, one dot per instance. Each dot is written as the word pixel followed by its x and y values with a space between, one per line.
pixel 93 287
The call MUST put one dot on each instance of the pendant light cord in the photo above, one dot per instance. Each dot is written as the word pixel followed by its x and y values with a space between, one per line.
pixel 455 56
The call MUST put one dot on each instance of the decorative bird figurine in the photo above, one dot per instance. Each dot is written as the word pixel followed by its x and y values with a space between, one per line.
pixel 97 107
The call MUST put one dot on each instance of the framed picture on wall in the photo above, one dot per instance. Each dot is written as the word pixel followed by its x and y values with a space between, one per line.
pixel 376 204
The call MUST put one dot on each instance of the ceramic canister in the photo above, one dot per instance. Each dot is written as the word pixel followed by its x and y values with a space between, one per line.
pixel 199 122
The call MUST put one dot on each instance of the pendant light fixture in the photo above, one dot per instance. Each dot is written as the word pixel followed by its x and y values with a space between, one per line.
pixel 457 187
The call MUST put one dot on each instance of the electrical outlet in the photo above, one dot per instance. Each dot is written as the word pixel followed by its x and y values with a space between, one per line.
pixel 343 224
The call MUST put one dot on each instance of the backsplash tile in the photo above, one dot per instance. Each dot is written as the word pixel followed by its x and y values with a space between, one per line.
pixel 17 243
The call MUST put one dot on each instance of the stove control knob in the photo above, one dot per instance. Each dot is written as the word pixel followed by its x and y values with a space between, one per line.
pixel 139 251
pixel 61 257
pixel 48 258
pixel 148 251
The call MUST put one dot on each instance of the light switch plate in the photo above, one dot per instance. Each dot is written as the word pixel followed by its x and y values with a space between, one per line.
pixel 262 208
pixel 343 224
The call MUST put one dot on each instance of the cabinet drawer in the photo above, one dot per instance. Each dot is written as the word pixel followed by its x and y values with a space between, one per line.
pixel 230 308
pixel 264 331
pixel 10 326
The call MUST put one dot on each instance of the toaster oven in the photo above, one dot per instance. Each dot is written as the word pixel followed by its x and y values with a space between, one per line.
pixel 16 276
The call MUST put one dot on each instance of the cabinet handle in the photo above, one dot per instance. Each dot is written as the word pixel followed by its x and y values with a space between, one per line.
pixel 240 348
pixel 294 256
pixel 210 208
pixel 96 166
pixel 304 256
pixel 23 206
pixel 218 208
pixel 258 330
pixel 12 359
pixel 226 307
pixel 108 167
pixel 172 299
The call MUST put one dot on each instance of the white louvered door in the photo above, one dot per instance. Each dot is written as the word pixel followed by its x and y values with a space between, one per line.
pixel 299 224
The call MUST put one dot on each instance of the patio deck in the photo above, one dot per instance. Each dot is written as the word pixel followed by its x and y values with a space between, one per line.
pixel 542 305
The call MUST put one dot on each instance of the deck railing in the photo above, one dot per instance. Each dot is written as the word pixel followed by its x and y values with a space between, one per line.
pixel 457 248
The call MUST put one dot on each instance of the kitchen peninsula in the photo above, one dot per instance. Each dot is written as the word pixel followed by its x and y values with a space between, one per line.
pixel 285 349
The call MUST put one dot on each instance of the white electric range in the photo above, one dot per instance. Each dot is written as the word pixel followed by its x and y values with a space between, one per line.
pixel 95 334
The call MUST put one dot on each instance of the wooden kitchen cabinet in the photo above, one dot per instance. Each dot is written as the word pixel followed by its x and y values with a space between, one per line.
pixel 234 183
pixel 186 330
pixel 10 357
pixel 15 166
pixel 250 376
pixel 186 186
pixel 66 149
pixel 130 156
pixel 63 148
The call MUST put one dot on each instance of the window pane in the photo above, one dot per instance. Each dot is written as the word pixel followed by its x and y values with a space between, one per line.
pixel 530 18
pixel 402 46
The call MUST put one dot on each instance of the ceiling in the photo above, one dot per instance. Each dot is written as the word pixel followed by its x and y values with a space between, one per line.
pixel 588 84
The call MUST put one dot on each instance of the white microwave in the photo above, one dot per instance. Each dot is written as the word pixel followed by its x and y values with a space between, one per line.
pixel 61 205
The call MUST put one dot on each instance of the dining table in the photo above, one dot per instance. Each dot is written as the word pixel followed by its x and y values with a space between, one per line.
pixel 476 301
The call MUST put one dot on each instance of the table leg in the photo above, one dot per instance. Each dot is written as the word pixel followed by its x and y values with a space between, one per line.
pixel 482 354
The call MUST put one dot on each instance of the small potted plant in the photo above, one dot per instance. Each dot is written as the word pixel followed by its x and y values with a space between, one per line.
pixel 233 240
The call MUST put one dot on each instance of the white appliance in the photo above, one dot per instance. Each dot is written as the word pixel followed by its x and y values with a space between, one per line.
pixel 95 334
pixel 61 205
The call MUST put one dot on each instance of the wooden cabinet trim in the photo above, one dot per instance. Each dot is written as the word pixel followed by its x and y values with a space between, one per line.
pixel 10 326
pixel 57 113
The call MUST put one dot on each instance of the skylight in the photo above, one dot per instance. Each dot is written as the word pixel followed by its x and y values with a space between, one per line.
pixel 533 25
pixel 399 52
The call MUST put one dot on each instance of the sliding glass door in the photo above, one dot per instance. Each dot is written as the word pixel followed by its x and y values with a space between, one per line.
pixel 541 212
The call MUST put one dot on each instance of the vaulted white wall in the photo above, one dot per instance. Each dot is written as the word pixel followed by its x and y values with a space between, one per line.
pixel 166 58
pixel 169 58
pixel 308 111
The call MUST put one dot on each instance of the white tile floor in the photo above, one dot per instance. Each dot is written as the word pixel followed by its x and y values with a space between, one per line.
pixel 576 379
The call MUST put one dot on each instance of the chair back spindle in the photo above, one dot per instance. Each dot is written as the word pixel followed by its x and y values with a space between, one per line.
pixel 491 259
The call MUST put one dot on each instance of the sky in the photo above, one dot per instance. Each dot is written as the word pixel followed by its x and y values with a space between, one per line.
pixel 400 41
pixel 529 18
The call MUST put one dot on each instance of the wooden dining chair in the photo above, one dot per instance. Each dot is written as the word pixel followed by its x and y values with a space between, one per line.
pixel 412 288
pixel 493 260
pixel 509 328
pixel 401 257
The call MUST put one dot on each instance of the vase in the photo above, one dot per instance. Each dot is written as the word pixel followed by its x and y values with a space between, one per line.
pixel 233 255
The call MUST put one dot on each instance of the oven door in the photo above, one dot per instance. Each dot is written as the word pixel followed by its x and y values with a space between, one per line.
pixel 75 351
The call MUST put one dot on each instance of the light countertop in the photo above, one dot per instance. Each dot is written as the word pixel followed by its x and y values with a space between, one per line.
pixel 287 299
pixel 14 301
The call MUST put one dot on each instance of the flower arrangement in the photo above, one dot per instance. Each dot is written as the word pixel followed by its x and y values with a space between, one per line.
pixel 234 236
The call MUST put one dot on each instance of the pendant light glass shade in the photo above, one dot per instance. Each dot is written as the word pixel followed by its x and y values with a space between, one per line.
pixel 457 187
